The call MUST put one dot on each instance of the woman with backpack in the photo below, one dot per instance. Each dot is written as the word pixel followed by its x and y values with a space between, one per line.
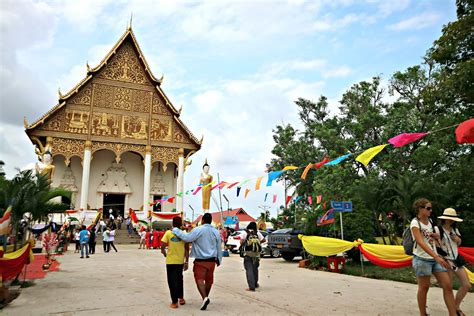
pixel 250 248
pixel 426 260
pixel 451 240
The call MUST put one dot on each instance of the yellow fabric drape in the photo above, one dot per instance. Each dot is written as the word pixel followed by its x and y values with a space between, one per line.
pixel 369 154
pixel 17 254
pixel 387 252
pixel 470 275
pixel 323 246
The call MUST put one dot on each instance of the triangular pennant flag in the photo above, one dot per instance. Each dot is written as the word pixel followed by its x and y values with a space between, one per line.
pixel 290 168
pixel 306 170
pixel 214 187
pixel 222 184
pixel 405 139
pixel 232 185
pixel 265 199
pixel 338 160
pixel 274 198
pixel 257 183
pixel 321 163
pixel 465 132
pixel 319 198
pixel 369 154
pixel 241 184
pixel 171 199
pixel 310 200
pixel 197 190
pixel 297 199
pixel 272 176
pixel 288 198
pixel 246 192
pixel 238 191
pixel 180 194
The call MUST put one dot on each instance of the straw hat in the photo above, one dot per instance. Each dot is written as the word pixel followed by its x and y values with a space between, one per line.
pixel 450 213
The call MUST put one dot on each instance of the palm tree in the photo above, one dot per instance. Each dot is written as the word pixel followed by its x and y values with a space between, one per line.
pixel 30 192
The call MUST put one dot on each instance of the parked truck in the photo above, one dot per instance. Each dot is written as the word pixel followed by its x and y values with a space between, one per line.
pixel 287 242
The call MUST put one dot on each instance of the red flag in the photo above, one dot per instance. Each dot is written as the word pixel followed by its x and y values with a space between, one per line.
pixel 197 190
pixel 321 163
pixel 171 199
pixel 133 216
pixel 288 198
pixel 465 132
pixel 310 200
pixel 232 185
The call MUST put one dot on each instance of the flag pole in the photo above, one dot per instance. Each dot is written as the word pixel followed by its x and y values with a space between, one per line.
pixel 342 228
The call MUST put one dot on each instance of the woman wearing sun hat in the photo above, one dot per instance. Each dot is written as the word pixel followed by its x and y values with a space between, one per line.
pixel 451 240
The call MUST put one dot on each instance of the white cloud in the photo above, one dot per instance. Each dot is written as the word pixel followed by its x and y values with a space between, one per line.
pixel 416 22
pixel 338 72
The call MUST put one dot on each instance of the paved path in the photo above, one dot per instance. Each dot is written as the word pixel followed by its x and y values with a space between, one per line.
pixel 133 282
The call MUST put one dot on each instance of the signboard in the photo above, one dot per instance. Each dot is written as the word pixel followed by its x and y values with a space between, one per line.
pixel 343 207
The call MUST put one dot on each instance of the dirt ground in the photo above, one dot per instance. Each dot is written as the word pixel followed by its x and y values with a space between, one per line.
pixel 133 282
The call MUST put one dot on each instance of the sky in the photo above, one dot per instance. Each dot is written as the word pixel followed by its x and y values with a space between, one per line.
pixel 235 67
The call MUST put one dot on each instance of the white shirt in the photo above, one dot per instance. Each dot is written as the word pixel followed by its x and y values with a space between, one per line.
pixel 244 235
pixel 426 231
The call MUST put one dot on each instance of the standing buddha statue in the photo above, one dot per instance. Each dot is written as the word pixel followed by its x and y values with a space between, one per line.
pixel 205 179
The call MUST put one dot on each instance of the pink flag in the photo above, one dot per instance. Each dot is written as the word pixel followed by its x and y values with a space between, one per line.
pixel 405 139
pixel 274 198
pixel 197 190
pixel 310 200
pixel 232 185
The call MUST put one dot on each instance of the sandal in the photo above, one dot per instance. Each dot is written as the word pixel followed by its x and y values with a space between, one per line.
pixel 460 313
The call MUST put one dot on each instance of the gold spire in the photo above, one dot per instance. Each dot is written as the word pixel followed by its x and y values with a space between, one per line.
pixel 25 122
pixel 180 109
pixel 161 79
pixel 60 94
pixel 202 139
pixel 88 67
pixel 130 24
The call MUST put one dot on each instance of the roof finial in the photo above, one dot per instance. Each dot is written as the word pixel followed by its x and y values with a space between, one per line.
pixel 60 94
pixel 131 19
pixel 162 78
pixel 88 67
pixel 25 122
pixel 202 139
pixel 180 109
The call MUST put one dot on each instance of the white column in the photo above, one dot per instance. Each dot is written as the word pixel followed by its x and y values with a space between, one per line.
pixel 146 181
pixel 86 167
pixel 180 186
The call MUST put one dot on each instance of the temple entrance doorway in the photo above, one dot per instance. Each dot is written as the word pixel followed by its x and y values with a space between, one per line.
pixel 116 202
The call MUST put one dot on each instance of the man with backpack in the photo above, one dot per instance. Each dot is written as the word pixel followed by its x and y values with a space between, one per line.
pixel 250 249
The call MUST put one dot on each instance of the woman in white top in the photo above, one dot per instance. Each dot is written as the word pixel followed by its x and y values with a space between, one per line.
pixel 426 260
pixel 76 240
pixel 451 239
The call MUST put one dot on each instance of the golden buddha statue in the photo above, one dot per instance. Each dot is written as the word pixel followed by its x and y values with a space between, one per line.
pixel 205 179
pixel 45 165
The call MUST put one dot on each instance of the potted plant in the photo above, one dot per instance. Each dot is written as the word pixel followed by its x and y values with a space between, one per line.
pixel 50 242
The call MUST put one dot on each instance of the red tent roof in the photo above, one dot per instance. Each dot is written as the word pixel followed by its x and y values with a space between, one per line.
pixel 239 212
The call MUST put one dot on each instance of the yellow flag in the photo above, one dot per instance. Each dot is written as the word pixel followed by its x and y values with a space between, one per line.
pixel 290 168
pixel 257 184
pixel 369 154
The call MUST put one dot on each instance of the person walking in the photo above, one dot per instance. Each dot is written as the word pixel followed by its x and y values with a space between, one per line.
pixel 451 240
pixel 148 238
pixel 84 240
pixel 119 221
pixel 206 251
pixel 426 260
pixel 77 240
pixel 111 240
pixel 142 234
pixel 177 258
pixel 251 248
pixel 105 239
pixel 92 240
pixel 129 226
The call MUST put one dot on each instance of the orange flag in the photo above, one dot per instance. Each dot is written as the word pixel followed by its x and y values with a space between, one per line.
pixel 306 170
pixel 246 192
pixel 257 184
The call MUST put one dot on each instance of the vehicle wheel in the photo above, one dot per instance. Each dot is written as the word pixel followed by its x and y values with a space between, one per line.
pixel 233 251
pixel 288 256
pixel 275 253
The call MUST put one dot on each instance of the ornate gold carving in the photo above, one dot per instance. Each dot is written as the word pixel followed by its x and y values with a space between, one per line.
pixel 164 155
pixel 179 136
pixel 119 149
pixel 83 97
pixel 158 105
pixel 105 124
pixel 68 148
pixel 122 98
pixel 56 122
pixel 77 121
pixel 134 127
pixel 103 96
pixel 125 66
pixel 148 149
pixel 141 101
pixel 161 129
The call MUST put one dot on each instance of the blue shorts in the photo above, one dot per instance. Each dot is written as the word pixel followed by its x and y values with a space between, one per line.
pixel 426 267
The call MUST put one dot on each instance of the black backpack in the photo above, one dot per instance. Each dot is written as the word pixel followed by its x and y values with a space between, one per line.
pixel 251 246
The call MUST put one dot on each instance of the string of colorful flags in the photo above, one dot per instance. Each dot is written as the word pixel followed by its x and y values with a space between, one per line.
pixel 464 135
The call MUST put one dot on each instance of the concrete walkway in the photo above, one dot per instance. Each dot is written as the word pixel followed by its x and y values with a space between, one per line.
pixel 133 282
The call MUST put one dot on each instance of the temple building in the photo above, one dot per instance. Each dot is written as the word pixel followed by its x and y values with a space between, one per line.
pixel 116 140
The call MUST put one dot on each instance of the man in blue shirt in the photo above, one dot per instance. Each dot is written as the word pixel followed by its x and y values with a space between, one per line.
pixel 206 252
pixel 84 241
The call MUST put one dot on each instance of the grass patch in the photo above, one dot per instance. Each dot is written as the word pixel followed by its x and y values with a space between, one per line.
pixel 372 271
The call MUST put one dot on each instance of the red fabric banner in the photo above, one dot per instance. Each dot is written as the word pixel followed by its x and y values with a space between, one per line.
pixel 166 215
pixel 11 267
pixel 467 253
pixel 133 216
pixel 384 263
pixel 465 132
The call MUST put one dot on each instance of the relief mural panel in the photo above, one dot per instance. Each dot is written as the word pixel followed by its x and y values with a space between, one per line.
pixel 134 127
pixel 179 135
pixel 122 98
pixel 77 121
pixel 103 96
pixel 125 66
pixel 105 124
pixel 141 101
pixel 161 129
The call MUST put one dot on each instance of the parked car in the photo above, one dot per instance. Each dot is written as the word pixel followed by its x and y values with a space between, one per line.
pixel 233 242
pixel 266 250
pixel 287 242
